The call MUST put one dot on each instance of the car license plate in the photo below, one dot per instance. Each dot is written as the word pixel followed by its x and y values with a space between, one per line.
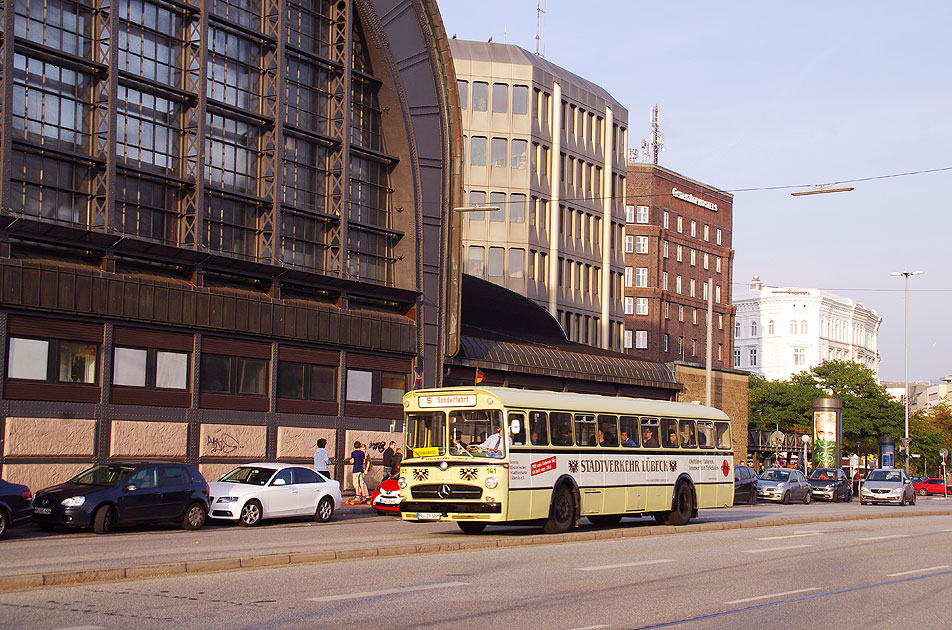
pixel 42 510
pixel 389 500
pixel 428 516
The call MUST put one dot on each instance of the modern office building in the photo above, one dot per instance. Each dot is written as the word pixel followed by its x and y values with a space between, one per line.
pixel 677 246
pixel 224 227
pixel 546 150
pixel 780 331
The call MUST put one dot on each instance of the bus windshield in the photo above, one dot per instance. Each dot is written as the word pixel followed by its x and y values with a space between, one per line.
pixel 477 433
pixel 425 434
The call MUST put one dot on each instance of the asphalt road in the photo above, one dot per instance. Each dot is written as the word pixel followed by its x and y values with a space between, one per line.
pixel 875 573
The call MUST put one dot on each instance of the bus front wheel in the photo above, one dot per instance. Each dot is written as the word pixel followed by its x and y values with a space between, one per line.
pixel 683 506
pixel 561 512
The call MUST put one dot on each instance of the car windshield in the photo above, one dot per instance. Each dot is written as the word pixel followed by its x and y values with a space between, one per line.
pixel 822 474
pixel 102 475
pixel 775 475
pixel 251 475
pixel 885 475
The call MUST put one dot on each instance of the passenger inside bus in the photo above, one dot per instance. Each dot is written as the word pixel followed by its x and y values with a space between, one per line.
pixel 687 433
pixel 534 437
pixel 649 439
pixel 626 440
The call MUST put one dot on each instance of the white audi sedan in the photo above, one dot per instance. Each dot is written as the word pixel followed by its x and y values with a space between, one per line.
pixel 253 492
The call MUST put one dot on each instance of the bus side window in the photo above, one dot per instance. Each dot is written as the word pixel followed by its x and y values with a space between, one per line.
pixel 723 431
pixel 628 436
pixel 585 429
pixel 607 431
pixel 669 433
pixel 561 425
pixel 649 432
pixel 538 431
pixel 517 428
pixel 705 434
pixel 686 433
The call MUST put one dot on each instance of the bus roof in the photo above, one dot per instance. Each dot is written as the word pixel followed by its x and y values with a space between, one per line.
pixel 568 401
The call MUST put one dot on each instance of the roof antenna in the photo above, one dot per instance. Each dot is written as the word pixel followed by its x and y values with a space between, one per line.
pixel 539 12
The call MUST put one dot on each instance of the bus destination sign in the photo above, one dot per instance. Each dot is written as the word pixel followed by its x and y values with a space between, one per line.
pixel 447 400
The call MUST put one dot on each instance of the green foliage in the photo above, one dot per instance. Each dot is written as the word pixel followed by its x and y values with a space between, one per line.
pixel 931 431
pixel 868 411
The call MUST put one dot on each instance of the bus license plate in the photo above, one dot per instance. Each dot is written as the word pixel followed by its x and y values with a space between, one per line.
pixel 428 516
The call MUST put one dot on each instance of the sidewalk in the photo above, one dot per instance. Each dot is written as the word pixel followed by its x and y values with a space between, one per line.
pixel 423 540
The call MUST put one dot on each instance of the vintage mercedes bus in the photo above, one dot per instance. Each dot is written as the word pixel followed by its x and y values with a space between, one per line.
pixel 492 455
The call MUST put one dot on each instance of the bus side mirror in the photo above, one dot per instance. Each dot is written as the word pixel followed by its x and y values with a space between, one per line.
pixel 515 427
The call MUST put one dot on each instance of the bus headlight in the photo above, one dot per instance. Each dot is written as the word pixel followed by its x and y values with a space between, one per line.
pixel 491 482
pixel 402 482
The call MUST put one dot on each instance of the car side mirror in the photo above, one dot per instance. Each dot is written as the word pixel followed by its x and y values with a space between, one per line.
pixel 279 482
pixel 131 487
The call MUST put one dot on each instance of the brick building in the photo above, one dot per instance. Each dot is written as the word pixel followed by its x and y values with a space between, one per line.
pixel 677 244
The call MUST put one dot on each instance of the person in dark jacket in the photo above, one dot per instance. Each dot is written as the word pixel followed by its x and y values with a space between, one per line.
pixel 388 460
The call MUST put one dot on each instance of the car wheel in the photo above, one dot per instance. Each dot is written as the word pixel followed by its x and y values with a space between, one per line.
pixel 561 512
pixel 683 506
pixel 913 501
pixel 753 498
pixel 4 522
pixel 103 520
pixel 325 510
pixel 923 492
pixel 807 498
pixel 786 498
pixel 468 527
pixel 250 514
pixel 194 516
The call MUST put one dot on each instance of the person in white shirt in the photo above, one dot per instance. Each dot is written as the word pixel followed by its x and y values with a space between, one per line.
pixel 322 459
pixel 494 442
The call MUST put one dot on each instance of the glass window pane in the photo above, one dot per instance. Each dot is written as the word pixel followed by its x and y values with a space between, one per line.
pixel 585 429
pixel 480 96
pixel 669 433
pixel 477 198
pixel 538 430
pixel 77 362
pixel 323 383
pixel 28 359
pixel 520 148
pixel 628 434
pixel 517 262
pixel 129 367
pixel 290 380
pixel 686 433
pixel 252 376
pixel 561 424
pixel 171 370
pixel 474 260
pixel 360 385
pixel 477 154
pixel 216 373
pixel 498 200
pixel 392 388
pixel 517 208
pixel 500 98
pixel 463 93
pixel 497 153
pixel 496 256
pixel 520 100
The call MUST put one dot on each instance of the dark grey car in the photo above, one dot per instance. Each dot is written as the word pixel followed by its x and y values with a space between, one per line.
pixel 887 485
pixel 783 485
pixel 831 484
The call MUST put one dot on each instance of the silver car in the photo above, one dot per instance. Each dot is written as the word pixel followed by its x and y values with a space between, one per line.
pixel 887 485
pixel 783 485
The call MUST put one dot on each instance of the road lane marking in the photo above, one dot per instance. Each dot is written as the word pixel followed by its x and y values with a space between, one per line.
pixel 601 625
pixel 941 566
pixel 796 535
pixel 622 566
pixel 783 594
pixel 891 536
pixel 389 591
pixel 81 628
pixel 768 549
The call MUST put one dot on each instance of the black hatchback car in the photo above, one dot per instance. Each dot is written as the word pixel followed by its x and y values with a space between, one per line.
pixel 125 493
pixel 745 485
pixel 15 506
pixel 831 484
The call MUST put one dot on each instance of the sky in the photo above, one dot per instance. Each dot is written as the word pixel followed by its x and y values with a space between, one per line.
pixel 762 94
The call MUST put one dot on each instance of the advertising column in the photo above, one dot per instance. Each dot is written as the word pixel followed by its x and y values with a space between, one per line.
pixel 827 432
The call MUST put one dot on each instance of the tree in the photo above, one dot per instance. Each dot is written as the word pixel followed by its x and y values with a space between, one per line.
pixel 931 431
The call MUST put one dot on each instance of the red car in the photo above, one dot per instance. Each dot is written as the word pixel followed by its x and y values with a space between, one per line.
pixel 386 498
pixel 931 486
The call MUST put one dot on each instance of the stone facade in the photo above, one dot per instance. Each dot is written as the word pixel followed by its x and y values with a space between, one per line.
pixel 729 394
pixel 148 439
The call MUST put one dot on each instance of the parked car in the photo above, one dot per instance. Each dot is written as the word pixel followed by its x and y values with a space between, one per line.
pixel 783 485
pixel 386 498
pixel 916 480
pixel 887 485
pixel 125 493
pixel 16 505
pixel 253 492
pixel 745 485
pixel 831 484
pixel 933 485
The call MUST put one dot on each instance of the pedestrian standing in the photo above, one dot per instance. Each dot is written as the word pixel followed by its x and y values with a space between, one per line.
pixel 388 460
pixel 396 461
pixel 322 459
pixel 357 458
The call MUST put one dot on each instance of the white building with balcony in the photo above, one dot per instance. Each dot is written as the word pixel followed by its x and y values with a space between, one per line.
pixel 780 331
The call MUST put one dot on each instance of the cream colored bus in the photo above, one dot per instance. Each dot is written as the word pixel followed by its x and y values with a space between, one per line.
pixel 481 455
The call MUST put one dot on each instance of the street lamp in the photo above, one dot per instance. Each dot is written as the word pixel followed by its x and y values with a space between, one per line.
pixel 906 275
pixel 806 439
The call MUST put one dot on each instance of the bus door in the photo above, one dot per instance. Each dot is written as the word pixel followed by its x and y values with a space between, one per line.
pixel 615 501
pixel 591 465
pixel 629 437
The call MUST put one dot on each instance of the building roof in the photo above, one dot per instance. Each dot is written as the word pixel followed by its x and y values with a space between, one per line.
pixel 514 55
pixel 504 330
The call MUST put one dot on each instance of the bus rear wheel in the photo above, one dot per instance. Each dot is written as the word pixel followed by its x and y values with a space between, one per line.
pixel 561 512
pixel 604 520
pixel 471 527
pixel 683 506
